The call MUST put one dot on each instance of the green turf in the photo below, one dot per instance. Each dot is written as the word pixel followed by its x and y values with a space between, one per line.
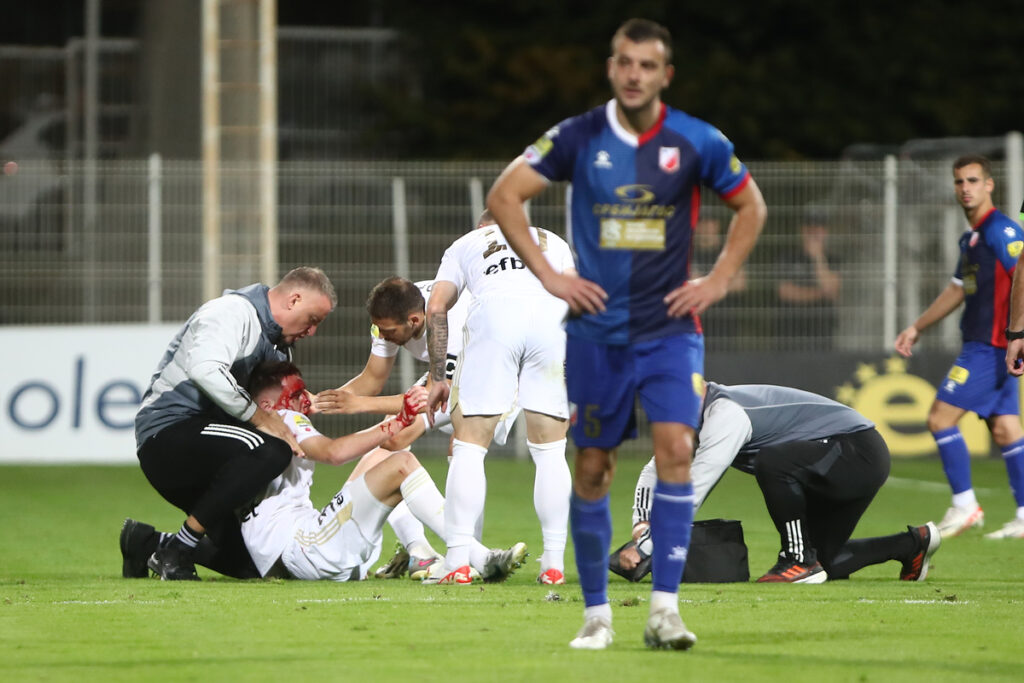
pixel 65 613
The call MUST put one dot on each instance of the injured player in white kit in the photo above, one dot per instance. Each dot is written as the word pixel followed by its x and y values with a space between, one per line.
pixel 287 536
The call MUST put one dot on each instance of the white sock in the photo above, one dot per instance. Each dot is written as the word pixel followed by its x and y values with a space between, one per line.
pixel 478 531
pixel 603 611
pixel 478 528
pixel 466 491
pixel 420 493
pixel 552 487
pixel 408 529
pixel 478 553
pixel 965 499
pixel 661 600
pixel 1020 513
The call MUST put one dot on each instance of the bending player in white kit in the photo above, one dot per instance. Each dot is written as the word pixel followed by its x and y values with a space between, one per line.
pixel 396 307
pixel 514 340
pixel 286 535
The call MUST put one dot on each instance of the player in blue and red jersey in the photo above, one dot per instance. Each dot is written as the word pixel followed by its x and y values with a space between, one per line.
pixel 978 381
pixel 636 168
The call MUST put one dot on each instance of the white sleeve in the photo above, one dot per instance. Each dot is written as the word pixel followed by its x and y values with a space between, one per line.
pixel 450 269
pixel 299 425
pixel 565 261
pixel 726 428
pixel 221 332
pixel 642 496
pixel 380 346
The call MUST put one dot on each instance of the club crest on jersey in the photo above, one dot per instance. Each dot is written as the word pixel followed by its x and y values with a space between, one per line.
pixel 668 159
pixel 603 160
pixel 974 239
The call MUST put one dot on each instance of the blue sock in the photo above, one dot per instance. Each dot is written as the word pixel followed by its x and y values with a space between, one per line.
pixel 591 523
pixel 671 519
pixel 1013 455
pixel 956 461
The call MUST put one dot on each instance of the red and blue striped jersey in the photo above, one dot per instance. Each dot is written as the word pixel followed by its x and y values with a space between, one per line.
pixel 988 255
pixel 632 205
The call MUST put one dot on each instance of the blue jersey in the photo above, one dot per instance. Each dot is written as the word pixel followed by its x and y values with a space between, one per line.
pixel 988 255
pixel 633 204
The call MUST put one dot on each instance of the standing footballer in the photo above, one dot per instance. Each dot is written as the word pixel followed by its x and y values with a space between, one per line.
pixel 636 168
pixel 978 381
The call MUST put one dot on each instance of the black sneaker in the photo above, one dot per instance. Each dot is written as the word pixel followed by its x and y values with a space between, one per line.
pixel 138 542
pixel 788 570
pixel 173 564
pixel 928 541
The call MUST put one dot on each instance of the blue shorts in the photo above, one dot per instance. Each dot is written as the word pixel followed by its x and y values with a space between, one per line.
pixel 604 381
pixel 979 382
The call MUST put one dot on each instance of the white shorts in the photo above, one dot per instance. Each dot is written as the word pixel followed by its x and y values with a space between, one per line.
pixel 513 344
pixel 443 423
pixel 443 419
pixel 343 539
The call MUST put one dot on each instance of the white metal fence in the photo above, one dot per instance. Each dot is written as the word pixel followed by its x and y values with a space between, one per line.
pixel 363 222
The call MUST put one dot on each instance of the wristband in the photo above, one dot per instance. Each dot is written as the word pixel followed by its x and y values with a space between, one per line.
pixel 1011 334
pixel 644 545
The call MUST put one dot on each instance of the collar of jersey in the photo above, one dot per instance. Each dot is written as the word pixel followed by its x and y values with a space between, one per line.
pixel 625 135
pixel 983 218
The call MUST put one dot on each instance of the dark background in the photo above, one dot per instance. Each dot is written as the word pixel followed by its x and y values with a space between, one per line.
pixel 784 80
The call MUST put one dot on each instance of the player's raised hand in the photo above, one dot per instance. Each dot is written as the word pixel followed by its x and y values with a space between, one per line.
pixel 437 399
pixel 906 339
pixel 414 401
pixel 336 402
pixel 583 296
pixel 696 295
pixel 1015 357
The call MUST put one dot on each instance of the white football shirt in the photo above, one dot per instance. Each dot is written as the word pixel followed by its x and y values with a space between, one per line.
pixel 270 525
pixel 482 263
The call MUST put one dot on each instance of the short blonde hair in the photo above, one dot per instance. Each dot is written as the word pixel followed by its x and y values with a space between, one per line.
pixel 309 277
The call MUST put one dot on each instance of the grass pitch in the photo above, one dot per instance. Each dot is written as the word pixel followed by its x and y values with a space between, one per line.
pixel 66 614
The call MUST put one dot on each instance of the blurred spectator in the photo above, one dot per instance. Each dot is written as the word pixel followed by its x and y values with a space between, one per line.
pixel 809 294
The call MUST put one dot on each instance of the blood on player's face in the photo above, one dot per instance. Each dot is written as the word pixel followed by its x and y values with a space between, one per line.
pixel 293 395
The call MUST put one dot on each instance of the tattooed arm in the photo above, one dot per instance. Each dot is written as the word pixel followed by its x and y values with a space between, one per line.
pixel 442 297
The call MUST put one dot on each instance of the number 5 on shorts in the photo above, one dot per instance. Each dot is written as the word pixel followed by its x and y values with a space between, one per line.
pixel 591 424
